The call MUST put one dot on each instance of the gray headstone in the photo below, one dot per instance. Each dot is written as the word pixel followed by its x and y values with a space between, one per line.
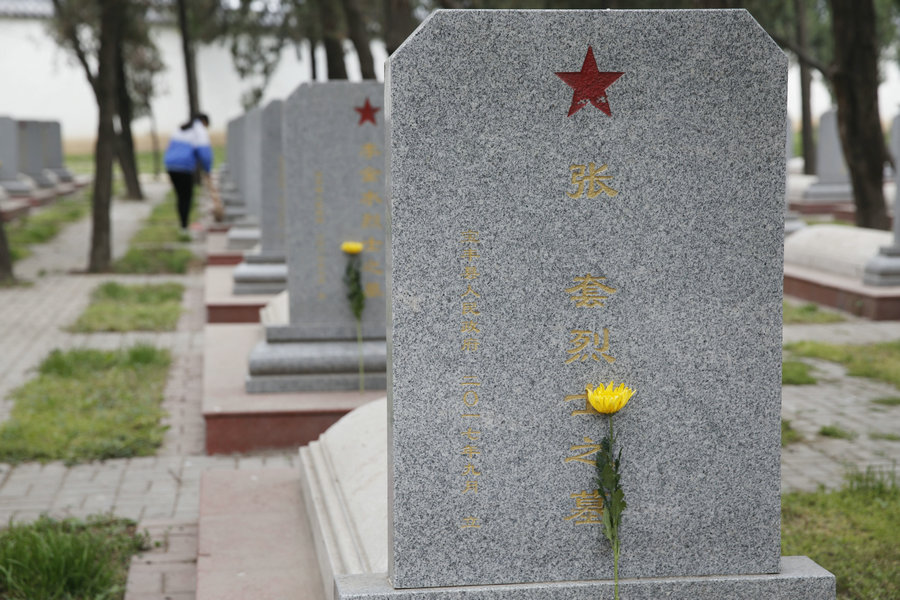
pixel 265 271
pixel 272 212
pixel 334 187
pixel 884 268
pixel 830 164
pixel 235 150
pixel 251 182
pixel 9 159
pixel 547 233
pixel 53 151
pixel 32 157
pixel 833 182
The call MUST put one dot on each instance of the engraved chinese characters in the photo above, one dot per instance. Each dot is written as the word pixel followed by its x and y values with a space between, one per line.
pixel 622 183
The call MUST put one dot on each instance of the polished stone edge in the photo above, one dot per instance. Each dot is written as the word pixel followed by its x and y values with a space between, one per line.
pixel 330 382
pixel 259 278
pixel 800 579
pixel 304 332
pixel 828 192
pixel 242 238
pixel 262 258
pixel 318 494
pixel 883 269
pixel 315 366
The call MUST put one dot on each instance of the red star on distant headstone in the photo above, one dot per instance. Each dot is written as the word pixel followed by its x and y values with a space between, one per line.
pixel 366 112
pixel 589 85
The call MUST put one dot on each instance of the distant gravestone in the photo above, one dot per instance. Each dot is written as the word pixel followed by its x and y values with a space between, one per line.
pixel 244 235
pixel 53 152
pixel 579 197
pixel 833 181
pixel 883 269
pixel 233 194
pixel 32 155
pixel 265 271
pixel 792 220
pixel 334 190
pixel 9 159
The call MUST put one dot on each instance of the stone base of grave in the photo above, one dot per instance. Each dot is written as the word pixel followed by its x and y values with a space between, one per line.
pixel 242 237
pixel 256 257
pixel 65 189
pixel 883 269
pixel 828 193
pixel 236 213
pixel 800 579
pixel 217 252
pixel 827 264
pixel 63 175
pixel 240 422
pixel 223 305
pixel 83 181
pixel 792 223
pixel 41 196
pixel 316 365
pixel 253 539
pixel 16 188
pixel 13 208
pixel 344 481
pixel 259 277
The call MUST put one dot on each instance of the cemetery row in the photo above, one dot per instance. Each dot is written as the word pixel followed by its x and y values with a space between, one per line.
pixel 32 172
pixel 544 223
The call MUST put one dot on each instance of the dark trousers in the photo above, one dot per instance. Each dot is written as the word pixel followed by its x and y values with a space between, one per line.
pixel 183 182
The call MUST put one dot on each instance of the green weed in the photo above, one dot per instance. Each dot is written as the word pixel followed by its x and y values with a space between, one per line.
pixel 876 361
pixel 88 405
pixel 117 307
pixel 794 372
pixel 808 313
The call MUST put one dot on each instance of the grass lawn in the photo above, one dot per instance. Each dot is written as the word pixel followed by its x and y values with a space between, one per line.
pixel 157 247
pixel 117 307
pixel 62 560
pixel 45 224
pixel 795 372
pixel 875 361
pixel 88 405
pixel 808 313
pixel 852 532
pixel 789 435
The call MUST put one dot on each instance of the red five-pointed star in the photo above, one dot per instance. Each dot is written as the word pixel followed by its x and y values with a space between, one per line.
pixel 366 112
pixel 589 85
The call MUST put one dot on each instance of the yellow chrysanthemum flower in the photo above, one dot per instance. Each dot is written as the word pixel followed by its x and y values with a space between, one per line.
pixel 609 399
pixel 352 247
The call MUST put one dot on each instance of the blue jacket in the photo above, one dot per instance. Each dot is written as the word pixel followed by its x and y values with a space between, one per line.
pixel 187 147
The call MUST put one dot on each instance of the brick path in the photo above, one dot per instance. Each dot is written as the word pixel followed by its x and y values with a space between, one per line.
pixel 162 492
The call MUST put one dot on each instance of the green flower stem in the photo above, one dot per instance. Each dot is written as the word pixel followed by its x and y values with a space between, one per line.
pixel 615 529
pixel 362 376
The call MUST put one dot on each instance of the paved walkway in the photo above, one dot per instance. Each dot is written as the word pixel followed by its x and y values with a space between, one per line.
pixel 162 492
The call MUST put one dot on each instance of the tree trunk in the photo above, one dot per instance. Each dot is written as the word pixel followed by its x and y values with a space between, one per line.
pixel 809 143
pixel 331 39
pixel 6 265
pixel 356 29
pixel 190 63
pixel 101 247
pixel 399 23
pixel 856 89
pixel 125 141
pixel 154 140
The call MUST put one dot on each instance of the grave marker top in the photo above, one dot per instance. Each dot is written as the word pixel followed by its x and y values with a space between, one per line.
pixel 334 176
pixel 579 197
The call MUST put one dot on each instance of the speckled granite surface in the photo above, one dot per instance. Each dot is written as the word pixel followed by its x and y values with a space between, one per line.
pixel 547 233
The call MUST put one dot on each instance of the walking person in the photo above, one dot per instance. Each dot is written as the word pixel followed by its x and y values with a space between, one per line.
pixel 188 148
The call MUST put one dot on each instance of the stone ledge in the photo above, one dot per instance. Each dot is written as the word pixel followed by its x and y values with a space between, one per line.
pixel 800 579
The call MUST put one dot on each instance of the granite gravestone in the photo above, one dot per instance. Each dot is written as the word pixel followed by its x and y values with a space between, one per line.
pixel 334 188
pixel 883 269
pixel 832 179
pixel 244 234
pixel 9 159
pixel 265 271
pixel 32 157
pixel 53 152
pixel 579 197
pixel 232 194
